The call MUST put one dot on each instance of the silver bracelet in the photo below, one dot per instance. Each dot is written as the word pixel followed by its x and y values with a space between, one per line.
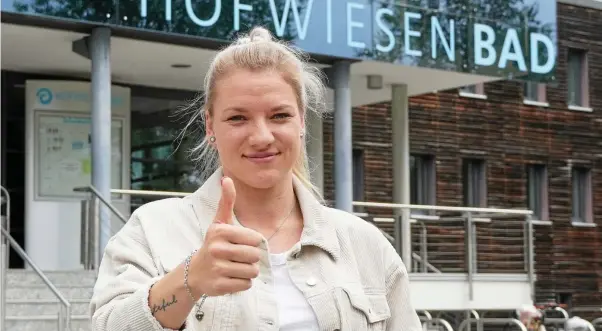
pixel 199 314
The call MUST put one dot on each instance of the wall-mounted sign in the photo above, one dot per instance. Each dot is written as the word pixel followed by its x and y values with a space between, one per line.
pixel 515 38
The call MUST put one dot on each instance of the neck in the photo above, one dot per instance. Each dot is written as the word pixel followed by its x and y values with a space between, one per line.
pixel 263 208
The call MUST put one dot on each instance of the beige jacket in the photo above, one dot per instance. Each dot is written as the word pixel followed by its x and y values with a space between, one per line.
pixel 357 281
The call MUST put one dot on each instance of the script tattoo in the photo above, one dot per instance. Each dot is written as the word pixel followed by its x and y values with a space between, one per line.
pixel 163 306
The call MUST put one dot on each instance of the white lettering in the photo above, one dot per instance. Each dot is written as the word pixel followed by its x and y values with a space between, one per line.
pixel 144 9
pixel 329 21
pixel 480 44
pixel 281 23
pixel 351 24
pixel 237 8
pixel 511 42
pixel 410 33
pixel 168 10
pixel 216 13
pixel 379 16
pixel 450 46
pixel 537 38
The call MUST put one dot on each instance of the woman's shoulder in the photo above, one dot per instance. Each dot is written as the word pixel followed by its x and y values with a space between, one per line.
pixel 357 230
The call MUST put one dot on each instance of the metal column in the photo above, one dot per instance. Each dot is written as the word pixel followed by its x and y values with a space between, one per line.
pixel 401 168
pixel 343 148
pixel 99 47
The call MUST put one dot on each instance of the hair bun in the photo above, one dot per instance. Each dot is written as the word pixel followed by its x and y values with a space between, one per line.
pixel 260 34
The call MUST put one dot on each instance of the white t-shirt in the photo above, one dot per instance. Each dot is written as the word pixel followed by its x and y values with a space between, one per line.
pixel 294 312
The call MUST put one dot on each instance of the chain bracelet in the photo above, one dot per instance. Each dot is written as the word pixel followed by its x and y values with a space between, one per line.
pixel 199 313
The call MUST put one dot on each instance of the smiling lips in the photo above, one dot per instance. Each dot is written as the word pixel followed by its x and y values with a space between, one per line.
pixel 261 157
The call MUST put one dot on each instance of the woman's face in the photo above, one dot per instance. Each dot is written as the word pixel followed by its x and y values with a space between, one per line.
pixel 257 125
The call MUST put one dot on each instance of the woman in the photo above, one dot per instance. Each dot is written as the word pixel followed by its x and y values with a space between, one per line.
pixel 253 248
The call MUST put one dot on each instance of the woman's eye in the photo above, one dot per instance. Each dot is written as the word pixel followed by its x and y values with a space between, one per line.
pixel 236 118
pixel 282 115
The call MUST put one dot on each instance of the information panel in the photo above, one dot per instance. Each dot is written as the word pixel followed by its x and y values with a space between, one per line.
pixel 63 154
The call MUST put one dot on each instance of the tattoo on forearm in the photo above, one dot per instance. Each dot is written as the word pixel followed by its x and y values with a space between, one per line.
pixel 163 306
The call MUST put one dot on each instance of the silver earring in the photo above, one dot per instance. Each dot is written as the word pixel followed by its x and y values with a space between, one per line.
pixel 302 134
pixel 212 139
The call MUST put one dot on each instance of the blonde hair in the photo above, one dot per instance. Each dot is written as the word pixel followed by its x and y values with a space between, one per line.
pixel 257 51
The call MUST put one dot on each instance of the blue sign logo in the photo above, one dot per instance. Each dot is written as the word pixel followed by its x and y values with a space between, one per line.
pixel 44 95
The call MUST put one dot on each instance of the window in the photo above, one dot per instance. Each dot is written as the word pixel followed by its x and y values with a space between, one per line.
pixel 358 175
pixel 477 90
pixel 474 183
pixel 537 191
pixel 578 81
pixel 535 92
pixel 582 195
pixel 423 182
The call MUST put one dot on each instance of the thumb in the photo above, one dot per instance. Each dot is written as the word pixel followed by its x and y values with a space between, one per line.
pixel 225 208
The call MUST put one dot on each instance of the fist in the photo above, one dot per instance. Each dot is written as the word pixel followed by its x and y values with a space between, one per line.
pixel 228 260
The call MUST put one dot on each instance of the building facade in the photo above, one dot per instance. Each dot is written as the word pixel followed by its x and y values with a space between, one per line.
pixel 535 146
pixel 477 136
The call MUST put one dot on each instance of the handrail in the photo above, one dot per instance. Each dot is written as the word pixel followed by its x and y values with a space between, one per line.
pixel 15 245
pixel 355 203
pixel 7 194
pixel 93 190
pixel 524 212
pixel 150 193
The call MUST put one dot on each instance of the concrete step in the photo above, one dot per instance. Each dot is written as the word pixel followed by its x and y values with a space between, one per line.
pixel 43 292
pixel 22 278
pixel 45 323
pixel 34 307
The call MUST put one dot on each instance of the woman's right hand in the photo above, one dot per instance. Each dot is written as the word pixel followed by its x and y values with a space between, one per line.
pixel 227 261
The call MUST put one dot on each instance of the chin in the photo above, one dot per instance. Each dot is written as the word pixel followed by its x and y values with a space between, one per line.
pixel 264 178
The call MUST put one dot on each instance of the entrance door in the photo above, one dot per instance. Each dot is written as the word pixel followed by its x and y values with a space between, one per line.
pixel 12 151
pixel 159 161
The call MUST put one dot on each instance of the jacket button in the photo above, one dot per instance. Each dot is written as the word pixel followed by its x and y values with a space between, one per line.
pixel 311 281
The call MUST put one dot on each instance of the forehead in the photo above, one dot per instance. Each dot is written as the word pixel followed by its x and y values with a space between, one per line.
pixel 246 89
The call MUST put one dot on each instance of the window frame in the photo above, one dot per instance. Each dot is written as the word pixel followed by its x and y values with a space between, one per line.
pixel 467 185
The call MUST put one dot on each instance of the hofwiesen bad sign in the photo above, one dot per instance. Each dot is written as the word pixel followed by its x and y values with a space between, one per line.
pixel 505 38
pixel 356 28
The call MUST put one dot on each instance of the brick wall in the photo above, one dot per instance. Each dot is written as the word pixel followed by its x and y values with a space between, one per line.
pixel 509 135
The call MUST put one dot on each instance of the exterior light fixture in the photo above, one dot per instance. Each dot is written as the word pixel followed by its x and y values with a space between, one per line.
pixel 180 65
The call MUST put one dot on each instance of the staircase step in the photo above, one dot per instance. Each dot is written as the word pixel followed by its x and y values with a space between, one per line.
pixel 45 323
pixel 22 278
pixel 43 292
pixel 44 307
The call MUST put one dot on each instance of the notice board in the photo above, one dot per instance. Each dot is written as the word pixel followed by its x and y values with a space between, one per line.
pixel 63 154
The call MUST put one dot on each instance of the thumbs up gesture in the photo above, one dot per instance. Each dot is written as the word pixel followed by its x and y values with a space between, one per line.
pixel 227 261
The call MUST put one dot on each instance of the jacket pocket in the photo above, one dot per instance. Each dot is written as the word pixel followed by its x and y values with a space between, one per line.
pixel 361 310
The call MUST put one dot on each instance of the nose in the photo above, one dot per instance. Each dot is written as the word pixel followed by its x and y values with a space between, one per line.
pixel 261 135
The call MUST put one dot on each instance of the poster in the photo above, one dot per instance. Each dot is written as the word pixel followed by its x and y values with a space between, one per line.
pixel 64 154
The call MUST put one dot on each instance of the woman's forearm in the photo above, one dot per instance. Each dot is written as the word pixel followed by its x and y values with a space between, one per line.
pixel 169 300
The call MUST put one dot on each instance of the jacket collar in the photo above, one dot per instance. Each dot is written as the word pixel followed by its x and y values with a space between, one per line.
pixel 317 231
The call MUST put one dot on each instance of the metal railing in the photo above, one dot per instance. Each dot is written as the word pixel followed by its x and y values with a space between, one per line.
pixel 462 239
pixel 6 241
pixel 91 226
pixel 457 239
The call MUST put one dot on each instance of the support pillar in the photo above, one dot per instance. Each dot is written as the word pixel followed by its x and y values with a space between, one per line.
pixel 315 149
pixel 99 46
pixel 343 148
pixel 401 169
